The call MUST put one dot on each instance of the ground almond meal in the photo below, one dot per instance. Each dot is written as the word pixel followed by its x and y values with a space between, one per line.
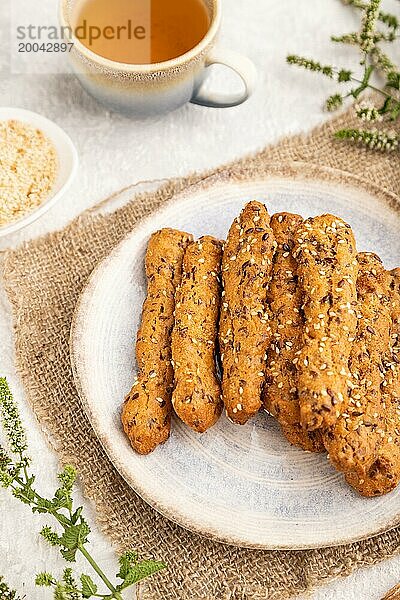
pixel 28 169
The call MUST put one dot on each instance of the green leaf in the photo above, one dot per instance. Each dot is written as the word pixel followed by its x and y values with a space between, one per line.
pixel 141 571
pixel 76 515
pixel 62 498
pixel 88 586
pixel 395 112
pixel 126 561
pixel 386 106
pixel 84 531
pixel 63 520
pixel 357 91
pixel 368 72
pixel 393 80
pixel 44 503
pixel 71 537
pixel 365 81
pixel 40 511
pixel 69 555
pixel 75 535
pixel 389 20
pixel 24 495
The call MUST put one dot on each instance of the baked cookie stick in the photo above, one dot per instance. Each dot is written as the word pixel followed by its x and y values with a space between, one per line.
pixel 285 300
pixel 325 251
pixel 384 474
pixel 146 414
pixel 197 397
pixel 245 331
pixel 354 440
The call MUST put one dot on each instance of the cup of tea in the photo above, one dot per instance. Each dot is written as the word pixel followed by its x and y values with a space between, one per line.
pixel 147 57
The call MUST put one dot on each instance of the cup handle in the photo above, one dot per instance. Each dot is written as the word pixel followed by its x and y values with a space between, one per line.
pixel 240 65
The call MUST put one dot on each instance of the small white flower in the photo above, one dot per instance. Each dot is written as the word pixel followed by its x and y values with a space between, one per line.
pixel 366 111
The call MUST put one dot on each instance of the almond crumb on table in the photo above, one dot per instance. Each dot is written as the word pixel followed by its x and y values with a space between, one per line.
pixel 28 169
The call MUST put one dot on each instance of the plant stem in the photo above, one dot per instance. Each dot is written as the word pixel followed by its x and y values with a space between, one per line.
pixel 81 548
pixel 99 572
pixel 372 87
pixel 369 85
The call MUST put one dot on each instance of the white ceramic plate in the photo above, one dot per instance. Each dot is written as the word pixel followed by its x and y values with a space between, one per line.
pixel 67 163
pixel 241 485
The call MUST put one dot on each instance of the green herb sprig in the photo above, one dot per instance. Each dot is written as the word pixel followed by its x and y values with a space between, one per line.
pixel 374 61
pixel 72 530
pixel 6 593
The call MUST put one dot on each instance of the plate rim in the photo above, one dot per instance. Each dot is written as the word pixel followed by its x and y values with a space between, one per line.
pixel 225 177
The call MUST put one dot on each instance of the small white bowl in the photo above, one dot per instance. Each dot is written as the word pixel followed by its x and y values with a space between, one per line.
pixel 67 163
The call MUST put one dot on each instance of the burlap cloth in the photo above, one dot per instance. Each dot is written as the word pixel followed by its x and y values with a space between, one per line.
pixel 44 278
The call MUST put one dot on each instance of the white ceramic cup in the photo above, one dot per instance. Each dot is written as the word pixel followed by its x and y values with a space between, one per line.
pixel 149 89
